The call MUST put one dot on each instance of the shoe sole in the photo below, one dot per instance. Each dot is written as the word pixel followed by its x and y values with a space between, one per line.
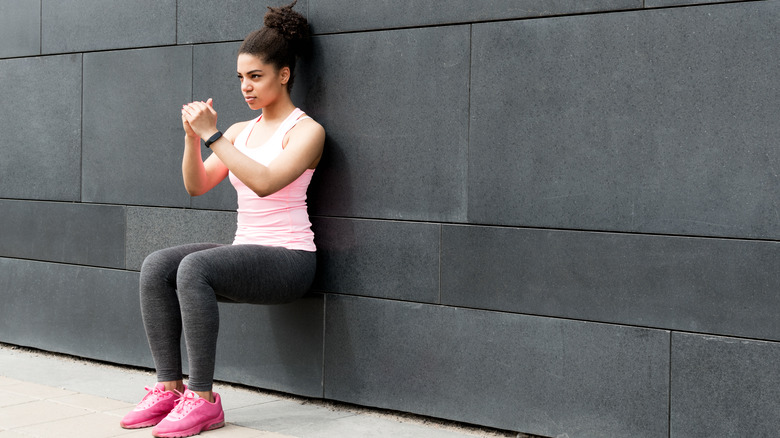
pixel 191 431
pixel 141 425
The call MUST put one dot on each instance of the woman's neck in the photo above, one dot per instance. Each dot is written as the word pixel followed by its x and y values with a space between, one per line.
pixel 278 110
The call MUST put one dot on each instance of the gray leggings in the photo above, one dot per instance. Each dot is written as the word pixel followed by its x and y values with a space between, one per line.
pixel 180 288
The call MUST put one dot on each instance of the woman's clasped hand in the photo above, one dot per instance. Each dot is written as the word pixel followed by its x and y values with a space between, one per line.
pixel 199 118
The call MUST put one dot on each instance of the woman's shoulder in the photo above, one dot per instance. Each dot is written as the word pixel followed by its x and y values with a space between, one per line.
pixel 308 124
pixel 235 129
pixel 306 131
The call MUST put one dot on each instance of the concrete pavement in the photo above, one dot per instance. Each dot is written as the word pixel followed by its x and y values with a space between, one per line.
pixel 47 396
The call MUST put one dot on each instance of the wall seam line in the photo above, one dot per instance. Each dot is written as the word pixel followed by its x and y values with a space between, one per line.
pixel 40 29
pixel 441 247
pixel 468 124
pixel 81 135
pixel 176 24
pixel 669 393
pixel 126 210
pixel 324 326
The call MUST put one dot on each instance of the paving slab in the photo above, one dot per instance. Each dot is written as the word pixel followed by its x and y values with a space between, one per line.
pixel 46 395
pixel 100 426
pixel 10 399
pixel 35 412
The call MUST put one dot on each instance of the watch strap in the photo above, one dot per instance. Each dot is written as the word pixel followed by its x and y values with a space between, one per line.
pixel 213 138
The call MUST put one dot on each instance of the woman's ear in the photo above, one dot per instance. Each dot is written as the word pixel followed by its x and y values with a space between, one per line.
pixel 284 74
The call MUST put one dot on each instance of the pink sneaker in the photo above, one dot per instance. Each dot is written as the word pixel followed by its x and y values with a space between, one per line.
pixel 152 409
pixel 191 416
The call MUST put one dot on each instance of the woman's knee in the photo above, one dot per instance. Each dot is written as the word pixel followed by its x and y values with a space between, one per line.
pixel 153 260
pixel 158 266
pixel 194 288
pixel 164 263
pixel 193 271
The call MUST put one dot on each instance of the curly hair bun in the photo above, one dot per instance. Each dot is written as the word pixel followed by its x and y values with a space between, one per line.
pixel 290 24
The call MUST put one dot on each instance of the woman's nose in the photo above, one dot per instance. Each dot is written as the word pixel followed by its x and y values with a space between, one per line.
pixel 246 85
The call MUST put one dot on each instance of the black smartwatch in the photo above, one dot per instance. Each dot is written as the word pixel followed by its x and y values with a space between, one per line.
pixel 213 138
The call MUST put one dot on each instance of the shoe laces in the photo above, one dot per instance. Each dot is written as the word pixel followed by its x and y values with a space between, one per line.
pixel 184 405
pixel 154 395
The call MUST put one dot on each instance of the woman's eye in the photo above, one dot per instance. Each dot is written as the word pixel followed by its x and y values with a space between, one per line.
pixel 255 76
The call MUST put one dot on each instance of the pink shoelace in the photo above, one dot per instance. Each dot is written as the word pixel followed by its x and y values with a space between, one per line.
pixel 151 398
pixel 184 405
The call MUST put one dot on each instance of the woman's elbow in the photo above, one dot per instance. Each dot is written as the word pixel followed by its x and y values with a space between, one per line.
pixel 263 190
pixel 193 191
pixel 263 193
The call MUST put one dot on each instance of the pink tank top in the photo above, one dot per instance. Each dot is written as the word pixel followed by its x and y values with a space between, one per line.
pixel 280 219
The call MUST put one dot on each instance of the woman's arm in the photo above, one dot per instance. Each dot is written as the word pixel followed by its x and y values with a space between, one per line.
pixel 302 151
pixel 201 176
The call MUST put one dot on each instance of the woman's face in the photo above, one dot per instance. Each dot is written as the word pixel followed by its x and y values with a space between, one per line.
pixel 261 84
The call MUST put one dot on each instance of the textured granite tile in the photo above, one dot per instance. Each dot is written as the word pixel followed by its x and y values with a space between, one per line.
pixel 535 375
pixel 20 28
pixel 275 347
pixel 150 229
pixel 221 197
pixel 45 165
pixel 214 76
pixel 202 21
pixel 724 387
pixel 329 16
pixel 133 139
pixel 87 312
pixel 398 260
pixel 63 232
pixel 693 284
pixel 82 25
pixel 394 105
pixel 659 121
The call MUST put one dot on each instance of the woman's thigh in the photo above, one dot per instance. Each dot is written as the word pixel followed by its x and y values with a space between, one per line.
pixel 251 273
pixel 163 264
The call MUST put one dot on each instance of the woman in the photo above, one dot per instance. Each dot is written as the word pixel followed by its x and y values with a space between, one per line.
pixel 270 161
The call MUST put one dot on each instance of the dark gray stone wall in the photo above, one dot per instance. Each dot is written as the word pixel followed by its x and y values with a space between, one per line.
pixel 554 217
